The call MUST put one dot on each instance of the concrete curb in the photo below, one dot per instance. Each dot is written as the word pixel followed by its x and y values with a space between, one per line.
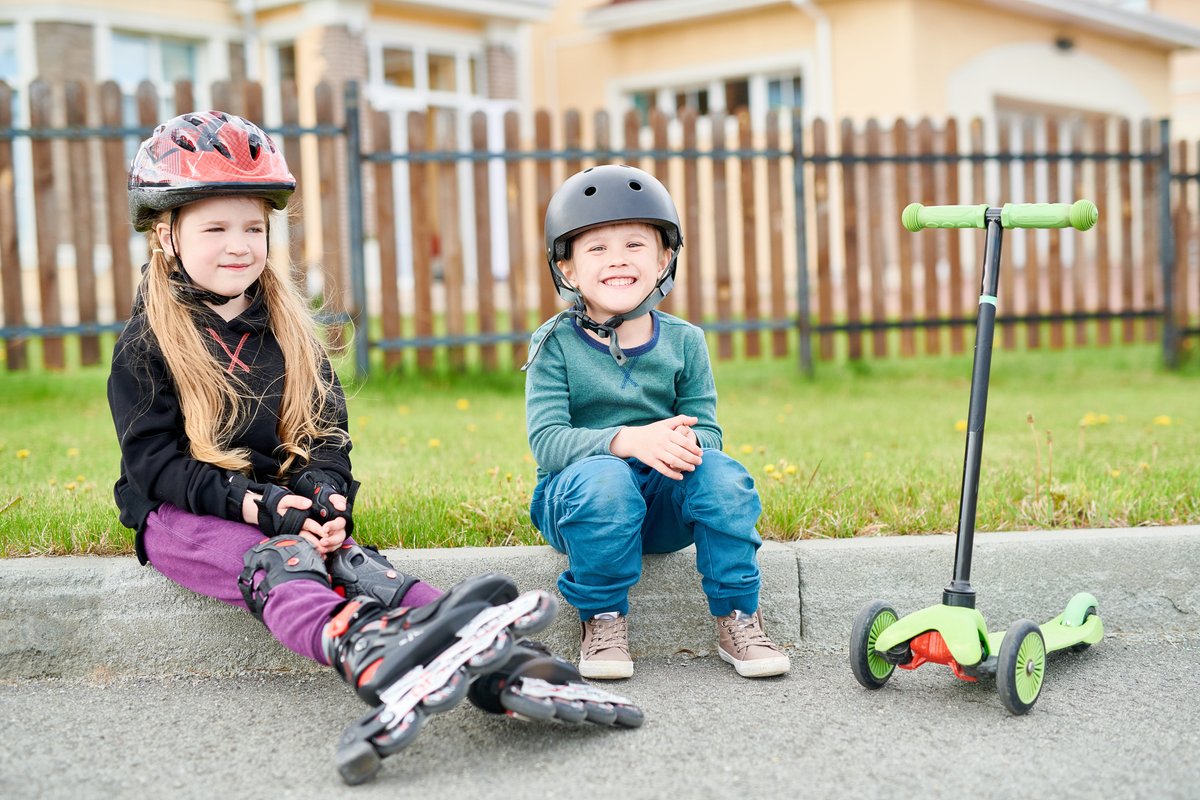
pixel 87 616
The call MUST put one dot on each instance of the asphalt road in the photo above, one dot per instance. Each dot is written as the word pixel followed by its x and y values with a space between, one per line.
pixel 1118 721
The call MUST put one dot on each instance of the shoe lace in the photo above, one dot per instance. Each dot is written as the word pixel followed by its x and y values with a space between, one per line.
pixel 746 632
pixel 607 633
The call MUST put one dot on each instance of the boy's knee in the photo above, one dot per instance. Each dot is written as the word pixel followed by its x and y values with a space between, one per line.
pixel 599 479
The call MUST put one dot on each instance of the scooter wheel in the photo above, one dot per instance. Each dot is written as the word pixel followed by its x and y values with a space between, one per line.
pixel 1021 667
pixel 870 668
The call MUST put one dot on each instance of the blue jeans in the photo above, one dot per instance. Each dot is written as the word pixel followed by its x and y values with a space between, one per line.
pixel 604 512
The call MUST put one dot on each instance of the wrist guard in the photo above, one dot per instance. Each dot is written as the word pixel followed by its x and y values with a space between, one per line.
pixel 318 485
pixel 270 521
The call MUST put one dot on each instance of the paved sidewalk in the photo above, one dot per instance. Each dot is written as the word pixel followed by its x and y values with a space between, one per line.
pixel 89 616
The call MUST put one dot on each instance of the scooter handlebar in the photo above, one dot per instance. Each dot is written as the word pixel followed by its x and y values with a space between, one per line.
pixel 1080 215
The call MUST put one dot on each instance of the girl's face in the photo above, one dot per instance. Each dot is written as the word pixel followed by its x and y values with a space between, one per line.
pixel 615 266
pixel 222 242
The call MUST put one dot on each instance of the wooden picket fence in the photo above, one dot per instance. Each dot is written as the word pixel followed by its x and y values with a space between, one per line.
pixel 793 246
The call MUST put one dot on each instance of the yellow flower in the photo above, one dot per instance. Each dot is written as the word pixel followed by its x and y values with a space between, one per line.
pixel 1116 473
pixel 72 452
pixel 790 469
pixel 22 454
pixel 746 448
pixel 403 409
pixel 777 476
pixel 435 442
pixel 769 468
pixel 80 478
pixel 960 426
pixel 472 427
pixel 462 404
pixel 362 421
pixel 1161 419
pixel 54 481
pixel 508 477
pixel 70 487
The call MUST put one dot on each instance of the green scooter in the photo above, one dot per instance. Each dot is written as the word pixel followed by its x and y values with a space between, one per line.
pixel 953 633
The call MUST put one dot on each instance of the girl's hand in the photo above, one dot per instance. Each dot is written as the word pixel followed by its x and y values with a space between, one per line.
pixel 667 446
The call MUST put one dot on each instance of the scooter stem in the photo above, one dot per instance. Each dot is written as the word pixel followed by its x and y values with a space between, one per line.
pixel 959 592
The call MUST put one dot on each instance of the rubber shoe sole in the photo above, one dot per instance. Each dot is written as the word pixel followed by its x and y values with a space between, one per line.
pixel 605 670
pixel 758 667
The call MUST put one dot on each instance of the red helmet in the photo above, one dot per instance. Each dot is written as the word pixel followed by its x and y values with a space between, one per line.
pixel 205 154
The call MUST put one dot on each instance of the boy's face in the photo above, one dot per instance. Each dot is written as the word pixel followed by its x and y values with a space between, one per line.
pixel 615 266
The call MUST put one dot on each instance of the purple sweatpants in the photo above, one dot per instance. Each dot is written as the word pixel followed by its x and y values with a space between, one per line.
pixel 205 554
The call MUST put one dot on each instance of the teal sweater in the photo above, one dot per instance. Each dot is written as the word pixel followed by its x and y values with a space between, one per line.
pixel 577 398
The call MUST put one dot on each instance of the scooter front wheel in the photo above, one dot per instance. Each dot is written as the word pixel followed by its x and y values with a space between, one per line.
pixel 870 668
pixel 1021 666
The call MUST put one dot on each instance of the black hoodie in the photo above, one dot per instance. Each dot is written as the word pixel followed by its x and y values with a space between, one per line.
pixel 156 466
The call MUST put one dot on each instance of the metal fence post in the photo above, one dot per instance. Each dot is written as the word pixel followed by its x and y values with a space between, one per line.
pixel 1166 249
pixel 354 207
pixel 802 298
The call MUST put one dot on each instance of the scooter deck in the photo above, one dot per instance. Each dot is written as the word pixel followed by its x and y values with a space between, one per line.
pixel 1058 635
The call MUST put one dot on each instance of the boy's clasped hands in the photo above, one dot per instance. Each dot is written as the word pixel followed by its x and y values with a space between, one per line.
pixel 668 446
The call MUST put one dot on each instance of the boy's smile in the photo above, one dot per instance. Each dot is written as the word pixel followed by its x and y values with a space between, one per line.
pixel 615 266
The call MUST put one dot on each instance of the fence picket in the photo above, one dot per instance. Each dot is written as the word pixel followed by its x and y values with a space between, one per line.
pixel 485 290
pixel 720 189
pixel 822 235
pixel 516 239
pixel 41 115
pixel 902 176
pixel 776 258
pixel 385 223
pixel 15 350
pixel 746 201
pixel 420 187
pixel 877 255
pixel 929 244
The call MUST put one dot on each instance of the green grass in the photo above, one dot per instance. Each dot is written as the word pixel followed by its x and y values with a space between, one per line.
pixel 866 448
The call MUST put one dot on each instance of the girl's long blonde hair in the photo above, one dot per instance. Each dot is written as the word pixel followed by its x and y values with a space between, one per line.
pixel 214 402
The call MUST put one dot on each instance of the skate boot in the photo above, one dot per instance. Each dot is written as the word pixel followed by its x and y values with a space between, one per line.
pixel 413 662
pixel 535 684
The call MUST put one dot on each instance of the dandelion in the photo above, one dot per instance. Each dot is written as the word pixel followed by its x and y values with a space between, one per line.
pixel 1161 419
pixel 1143 466
pixel 72 452
pixel 472 427
pixel 362 421
pixel 790 469
pixel 777 476
pixel 22 454
pixel 54 481
pixel 70 487
pixel 762 451
pixel 960 425
pixel 80 479
pixel 746 448
pixel 769 468
pixel 462 404
pixel 435 442
pixel 508 477
pixel 402 409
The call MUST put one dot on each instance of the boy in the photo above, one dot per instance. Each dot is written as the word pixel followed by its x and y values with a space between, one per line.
pixel 624 430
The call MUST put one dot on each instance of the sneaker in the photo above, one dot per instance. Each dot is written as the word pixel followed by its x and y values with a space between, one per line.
pixel 742 642
pixel 604 649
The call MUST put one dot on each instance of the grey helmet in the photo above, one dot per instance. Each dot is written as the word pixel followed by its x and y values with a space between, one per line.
pixel 600 196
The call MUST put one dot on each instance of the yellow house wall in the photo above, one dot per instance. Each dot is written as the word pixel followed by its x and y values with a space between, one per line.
pixel 889 57
pixel 210 11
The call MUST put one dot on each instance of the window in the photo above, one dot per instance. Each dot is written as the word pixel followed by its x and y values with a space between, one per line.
pixel 287 62
pixel 8 53
pixel 398 67
pixel 442 76
pixel 162 61
pixel 784 92
pixel 757 93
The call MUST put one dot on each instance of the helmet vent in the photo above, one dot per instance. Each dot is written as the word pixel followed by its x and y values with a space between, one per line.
pixel 637 187
pixel 220 147
pixel 589 191
pixel 183 142
pixel 255 146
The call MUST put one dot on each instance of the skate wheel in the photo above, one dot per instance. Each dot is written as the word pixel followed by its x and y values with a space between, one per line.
pixel 601 713
pixel 357 762
pixel 571 712
pixel 449 695
pixel 629 717
pixel 495 654
pixel 396 739
pixel 531 707
pixel 538 618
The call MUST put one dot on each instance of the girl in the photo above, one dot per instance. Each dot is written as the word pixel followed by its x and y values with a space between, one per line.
pixel 235 468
